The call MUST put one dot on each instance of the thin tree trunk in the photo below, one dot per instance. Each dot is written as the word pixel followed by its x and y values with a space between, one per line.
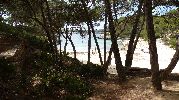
pixel 108 60
pixel 119 67
pixel 66 42
pixel 156 81
pixel 96 42
pixel 89 43
pixel 138 35
pixel 130 51
pixel 72 44
pixel 60 43
pixel 92 29
pixel 105 28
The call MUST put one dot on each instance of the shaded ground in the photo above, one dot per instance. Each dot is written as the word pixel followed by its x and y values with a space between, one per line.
pixel 137 88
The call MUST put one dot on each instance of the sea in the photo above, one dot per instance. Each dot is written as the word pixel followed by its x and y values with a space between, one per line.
pixel 81 43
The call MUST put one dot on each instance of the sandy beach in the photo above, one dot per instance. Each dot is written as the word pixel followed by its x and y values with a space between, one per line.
pixel 141 56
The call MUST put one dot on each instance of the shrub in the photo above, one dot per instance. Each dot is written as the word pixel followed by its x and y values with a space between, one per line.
pixel 90 70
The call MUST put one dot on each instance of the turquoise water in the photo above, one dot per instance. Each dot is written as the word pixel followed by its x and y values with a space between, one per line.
pixel 81 43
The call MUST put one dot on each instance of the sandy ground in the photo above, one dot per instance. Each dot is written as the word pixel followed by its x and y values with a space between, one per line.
pixel 135 89
pixel 141 56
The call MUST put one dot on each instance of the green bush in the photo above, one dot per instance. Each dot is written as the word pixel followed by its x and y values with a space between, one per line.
pixel 54 80
pixel 73 87
pixel 76 86
pixel 90 70
pixel 172 42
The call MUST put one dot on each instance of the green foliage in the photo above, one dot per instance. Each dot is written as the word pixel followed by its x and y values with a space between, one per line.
pixel 90 70
pixel 171 42
pixel 166 27
pixel 22 33
pixel 64 86
pixel 63 83
pixel 76 86
pixel 123 24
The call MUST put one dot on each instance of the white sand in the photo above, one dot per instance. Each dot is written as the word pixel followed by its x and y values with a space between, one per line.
pixel 141 56
pixel 8 53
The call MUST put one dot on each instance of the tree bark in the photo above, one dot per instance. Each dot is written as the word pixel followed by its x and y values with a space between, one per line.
pixel 49 21
pixel 105 28
pixel 108 60
pixel 92 29
pixel 130 51
pixel 156 80
pixel 171 66
pixel 89 43
pixel 66 42
pixel 138 35
pixel 119 67
pixel 72 44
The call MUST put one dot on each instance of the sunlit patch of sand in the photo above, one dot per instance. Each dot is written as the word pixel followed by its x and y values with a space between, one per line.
pixel 135 89
pixel 141 56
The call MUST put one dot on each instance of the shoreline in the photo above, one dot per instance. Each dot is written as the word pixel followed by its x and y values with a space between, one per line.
pixel 141 56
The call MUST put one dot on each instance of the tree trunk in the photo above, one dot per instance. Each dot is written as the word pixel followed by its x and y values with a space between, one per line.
pixel 46 28
pixel 138 35
pixel 105 28
pixel 52 33
pixel 119 67
pixel 66 42
pixel 108 60
pixel 130 51
pixel 72 44
pixel 96 42
pixel 60 43
pixel 89 43
pixel 171 66
pixel 156 81
pixel 92 29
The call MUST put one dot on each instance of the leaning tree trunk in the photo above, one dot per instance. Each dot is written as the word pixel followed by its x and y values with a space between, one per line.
pixel 92 29
pixel 138 35
pixel 171 66
pixel 72 44
pixel 108 62
pixel 156 81
pixel 119 67
pixel 130 51
pixel 96 42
